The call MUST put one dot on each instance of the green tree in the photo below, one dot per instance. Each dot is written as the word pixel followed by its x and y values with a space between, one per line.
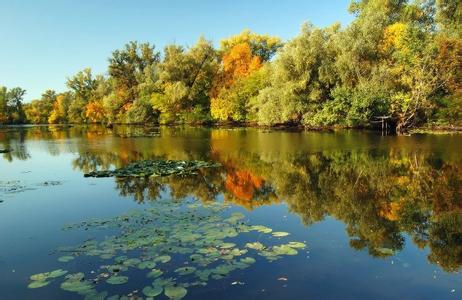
pixel 185 78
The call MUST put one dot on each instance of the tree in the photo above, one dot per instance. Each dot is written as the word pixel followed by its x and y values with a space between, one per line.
pixel 241 55
pixel 185 78
pixel 129 67
pixel 11 106
pixel 263 46
pixel 59 114
pixel 301 78
pixel 38 111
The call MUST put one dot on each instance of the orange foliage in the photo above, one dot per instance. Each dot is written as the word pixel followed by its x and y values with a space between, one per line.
pixel 242 184
pixel 94 111
pixel 239 63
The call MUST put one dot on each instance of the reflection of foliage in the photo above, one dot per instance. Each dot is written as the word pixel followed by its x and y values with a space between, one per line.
pixel 380 194
pixel 445 241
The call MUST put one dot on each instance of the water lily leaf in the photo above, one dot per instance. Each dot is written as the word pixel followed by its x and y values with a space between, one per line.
pixel 248 260
pixel 227 245
pixel 185 270
pixel 155 273
pixel 65 258
pixel 117 280
pixel 155 168
pixel 76 283
pixel 297 245
pixel 38 284
pixel 40 276
pixel 152 291
pixel 203 274
pixel 175 292
pixel 256 246
pixel 262 229
pixel 163 259
pixel 147 265
pixel 284 250
pixel 280 233
pixel 96 296
pixel 57 273
pixel 132 262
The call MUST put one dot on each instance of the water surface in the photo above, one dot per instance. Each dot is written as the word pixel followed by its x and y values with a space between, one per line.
pixel 381 216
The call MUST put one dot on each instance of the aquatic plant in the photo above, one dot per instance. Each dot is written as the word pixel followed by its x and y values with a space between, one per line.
pixel 155 168
pixel 176 246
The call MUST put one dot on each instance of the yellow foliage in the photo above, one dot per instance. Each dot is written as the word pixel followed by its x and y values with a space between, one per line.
pixel 393 37
pixel 94 111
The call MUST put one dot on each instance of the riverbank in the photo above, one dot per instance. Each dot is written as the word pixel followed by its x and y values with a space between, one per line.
pixel 426 129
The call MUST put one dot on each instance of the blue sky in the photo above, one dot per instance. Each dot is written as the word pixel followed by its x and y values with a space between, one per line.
pixel 45 41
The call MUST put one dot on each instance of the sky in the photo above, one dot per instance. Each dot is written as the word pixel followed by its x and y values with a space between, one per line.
pixel 43 42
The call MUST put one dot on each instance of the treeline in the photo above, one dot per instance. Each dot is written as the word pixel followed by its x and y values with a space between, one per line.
pixel 398 59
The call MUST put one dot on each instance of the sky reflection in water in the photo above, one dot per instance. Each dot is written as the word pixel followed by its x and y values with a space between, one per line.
pixel 381 216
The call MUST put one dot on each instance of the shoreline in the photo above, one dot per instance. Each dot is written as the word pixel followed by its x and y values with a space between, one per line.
pixel 425 129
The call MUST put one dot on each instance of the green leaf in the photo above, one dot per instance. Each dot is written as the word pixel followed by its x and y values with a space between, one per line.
pixel 152 291
pixel 175 292
pixel 65 258
pixel 280 233
pixel 117 280
pixel 38 284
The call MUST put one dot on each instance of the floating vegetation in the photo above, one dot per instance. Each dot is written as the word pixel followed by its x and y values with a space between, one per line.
pixel 117 280
pixel 156 168
pixel 13 186
pixel 50 183
pixel 174 246
pixel 65 258
pixel 280 234
pixel 17 186
pixel 5 150
pixel 43 279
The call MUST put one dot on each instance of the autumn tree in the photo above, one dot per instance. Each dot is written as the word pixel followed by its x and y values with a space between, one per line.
pixel 59 114
pixel 241 55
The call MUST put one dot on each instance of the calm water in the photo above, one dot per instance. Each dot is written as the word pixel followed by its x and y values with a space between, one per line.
pixel 381 217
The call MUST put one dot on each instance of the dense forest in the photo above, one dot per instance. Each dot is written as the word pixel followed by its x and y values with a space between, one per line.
pixel 398 59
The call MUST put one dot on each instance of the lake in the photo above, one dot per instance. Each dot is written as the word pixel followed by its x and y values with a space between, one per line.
pixel 287 215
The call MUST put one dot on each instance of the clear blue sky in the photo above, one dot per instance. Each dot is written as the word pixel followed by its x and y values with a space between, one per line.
pixel 45 41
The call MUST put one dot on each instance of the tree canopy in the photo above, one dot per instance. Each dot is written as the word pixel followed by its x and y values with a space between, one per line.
pixel 397 59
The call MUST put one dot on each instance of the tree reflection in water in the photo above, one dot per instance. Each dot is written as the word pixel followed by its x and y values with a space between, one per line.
pixel 380 193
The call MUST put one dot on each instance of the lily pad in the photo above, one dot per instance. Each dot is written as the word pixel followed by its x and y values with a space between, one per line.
pixel 152 291
pixel 256 246
pixel 163 259
pixel 147 265
pixel 227 245
pixel 248 260
pixel 146 168
pixel 65 258
pixel 117 280
pixel 284 250
pixel 155 273
pixel 280 233
pixel 261 228
pixel 185 270
pixel 175 292
pixel 57 273
pixel 38 284
pixel 296 245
